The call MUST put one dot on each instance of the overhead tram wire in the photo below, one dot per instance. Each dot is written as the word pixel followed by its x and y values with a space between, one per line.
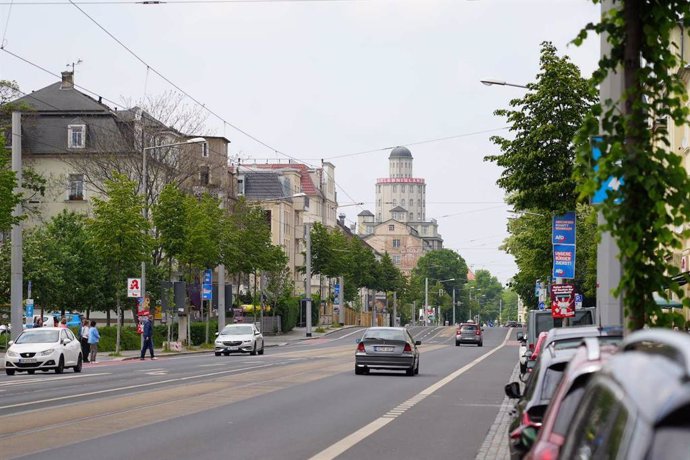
pixel 180 2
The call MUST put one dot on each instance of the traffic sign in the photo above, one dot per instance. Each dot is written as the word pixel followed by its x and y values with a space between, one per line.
pixel 29 308
pixel 336 290
pixel 542 305
pixel 578 301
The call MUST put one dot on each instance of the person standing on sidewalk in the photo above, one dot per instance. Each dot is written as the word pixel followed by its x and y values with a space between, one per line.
pixel 148 338
pixel 84 339
pixel 94 338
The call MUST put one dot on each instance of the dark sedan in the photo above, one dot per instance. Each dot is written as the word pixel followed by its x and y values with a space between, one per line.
pixel 388 348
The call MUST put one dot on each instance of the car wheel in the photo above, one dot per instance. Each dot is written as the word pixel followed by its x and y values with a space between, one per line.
pixel 253 352
pixel 457 344
pixel 77 368
pixel 227 353
pixel 9 371
pixel 61 366
pixel 416 369
pixel 217 353
pixel 358 370
pixel 410 371
pixel 523 368
pixel 480 344
pixel 31 372
pixel 261 352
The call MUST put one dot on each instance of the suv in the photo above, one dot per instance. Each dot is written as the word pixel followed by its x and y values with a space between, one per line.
pixel 541 320
pixel 469 333
pixel 637 406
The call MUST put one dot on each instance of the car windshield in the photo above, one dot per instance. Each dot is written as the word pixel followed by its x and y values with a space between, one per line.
pixel 383 334
pixel 237 330
pixel 38 337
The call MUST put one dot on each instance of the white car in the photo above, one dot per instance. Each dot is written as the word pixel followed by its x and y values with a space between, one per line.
pixel 43 349
pixel 239 338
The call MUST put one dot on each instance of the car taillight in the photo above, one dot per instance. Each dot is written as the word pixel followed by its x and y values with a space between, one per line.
pixel 478 332
pixel 545 451
pixel 408 348
pixel 360 347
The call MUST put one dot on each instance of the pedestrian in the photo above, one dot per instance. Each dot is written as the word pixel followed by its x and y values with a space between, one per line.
pixel 94 338
pixel 63 323
pixel 84 339
pixel 39 322
pixel 148 338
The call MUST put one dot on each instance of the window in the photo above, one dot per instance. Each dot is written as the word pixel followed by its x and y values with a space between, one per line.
pixel 402 188
pixel 419 216
pixel 396 243
pixel 411 202
pixel 411 216
pixel 391 228
pixel 240 187
pixel 395 202
pixel 204 175
pixel 424 230
pixel 396 260
pixel 204 149
pixel 76 136
pixel 402 202
pixel 76 187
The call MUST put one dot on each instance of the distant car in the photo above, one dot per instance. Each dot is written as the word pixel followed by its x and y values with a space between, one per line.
pixel 239 338
pixel 532 404
pixel 469 333
pixel 568 396
pixel 387 348
pixel 636 407
pixel 43 349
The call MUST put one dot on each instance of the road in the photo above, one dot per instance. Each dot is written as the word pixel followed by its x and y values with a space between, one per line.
pixel 300 401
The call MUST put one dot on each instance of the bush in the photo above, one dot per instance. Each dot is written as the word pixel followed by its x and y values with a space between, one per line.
pixel 288 309
pixel 130 340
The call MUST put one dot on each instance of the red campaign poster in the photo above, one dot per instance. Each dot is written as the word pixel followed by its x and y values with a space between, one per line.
pixel 562 300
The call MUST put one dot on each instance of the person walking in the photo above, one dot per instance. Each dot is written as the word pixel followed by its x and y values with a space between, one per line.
pixel 84 339
pixel 94 338
pixel 148 338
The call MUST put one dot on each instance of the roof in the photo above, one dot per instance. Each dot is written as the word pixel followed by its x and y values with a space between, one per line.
pixel 306 182
pixel 53 99
pixel 263 186
pixel 366 212
pixel 398 209
pixel 400 152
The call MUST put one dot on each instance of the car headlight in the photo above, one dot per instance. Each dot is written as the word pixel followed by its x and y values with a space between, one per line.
pixel 47 352
pixel 219 342
pixel 247 341
pixel 12 354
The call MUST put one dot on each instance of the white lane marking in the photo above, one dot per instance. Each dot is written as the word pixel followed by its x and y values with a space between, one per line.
pixel 151 370
pixel 50 379
pixel 346 443
pixel 142 385
pixel 212 365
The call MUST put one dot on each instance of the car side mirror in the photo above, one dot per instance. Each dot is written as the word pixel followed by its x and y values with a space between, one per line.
pixel 257 333
pixel 10 343
pixel 512 390
pixel 358 340
pixel 216 334
pixel 417 342
pixel 520 336
pixel 65 341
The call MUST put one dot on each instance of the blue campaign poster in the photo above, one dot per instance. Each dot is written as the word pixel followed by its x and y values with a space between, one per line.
pixel 564 261
pixel 563 229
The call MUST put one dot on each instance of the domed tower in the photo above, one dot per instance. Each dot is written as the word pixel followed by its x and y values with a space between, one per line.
pixel 400 189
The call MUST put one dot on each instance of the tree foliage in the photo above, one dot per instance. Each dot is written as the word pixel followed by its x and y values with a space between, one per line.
pixel 655 197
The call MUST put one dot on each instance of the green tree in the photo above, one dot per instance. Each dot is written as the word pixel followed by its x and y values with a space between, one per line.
pixel 169 220
pixel 655 196
pixel 8 182
pixel 120 234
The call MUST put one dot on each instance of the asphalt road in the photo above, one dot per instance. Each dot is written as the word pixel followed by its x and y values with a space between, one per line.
pixel 300 401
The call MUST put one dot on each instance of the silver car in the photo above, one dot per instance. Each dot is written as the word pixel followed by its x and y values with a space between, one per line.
pixel 239 338
pixel 389 348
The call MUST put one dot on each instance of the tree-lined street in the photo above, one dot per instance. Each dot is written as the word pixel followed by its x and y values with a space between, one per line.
pixel 294 402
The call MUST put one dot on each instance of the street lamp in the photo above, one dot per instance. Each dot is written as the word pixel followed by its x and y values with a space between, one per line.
pixel 194 140
pixel 491 82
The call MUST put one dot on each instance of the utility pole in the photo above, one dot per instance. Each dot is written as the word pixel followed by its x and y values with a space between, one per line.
pixel 16 282
pixel 395 307
pixel 341 300
pixel 426 298
pixel 307 240
pixel 453 306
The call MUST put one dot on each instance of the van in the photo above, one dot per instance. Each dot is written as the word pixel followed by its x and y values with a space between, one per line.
pixel 541 320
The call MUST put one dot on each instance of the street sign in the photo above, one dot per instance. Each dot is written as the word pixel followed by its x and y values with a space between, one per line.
pixel 336 290
pixel 133 287
pixel 564 261
pixel 207 286
pixel 542 305
pixel 29 308
pixel 578 301
pixel 208 276
pixel 562 300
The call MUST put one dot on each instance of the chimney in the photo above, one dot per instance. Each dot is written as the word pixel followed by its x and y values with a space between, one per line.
pixel 67 80
pixel 341 218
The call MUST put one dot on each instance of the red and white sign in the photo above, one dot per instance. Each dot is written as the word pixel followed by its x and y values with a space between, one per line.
pixel 562 300
pixel 133 287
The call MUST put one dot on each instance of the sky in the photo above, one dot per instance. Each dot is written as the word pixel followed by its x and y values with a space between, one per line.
pixel 323 80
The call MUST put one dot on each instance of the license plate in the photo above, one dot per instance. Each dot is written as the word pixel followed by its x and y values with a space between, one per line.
pixel 27 360
pixel 384 348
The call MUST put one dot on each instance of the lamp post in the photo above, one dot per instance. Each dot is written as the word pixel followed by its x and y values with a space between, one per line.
pixel 491 82
pixel 194 140
pixel 475 298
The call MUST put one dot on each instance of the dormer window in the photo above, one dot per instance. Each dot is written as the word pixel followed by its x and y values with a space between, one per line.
pixel 76 136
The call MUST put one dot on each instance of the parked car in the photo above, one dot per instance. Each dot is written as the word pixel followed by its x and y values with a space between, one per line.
pixel 239 338
pixel 541 320
pixel 389 348
pixel 644 417
pixel 43 349
pixel 469 333
pixel 533 355
pixel 571 337
pixel 588 359
pixel 532 404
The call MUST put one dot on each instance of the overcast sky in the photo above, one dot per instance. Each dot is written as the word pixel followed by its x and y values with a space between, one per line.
pixel 326 80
